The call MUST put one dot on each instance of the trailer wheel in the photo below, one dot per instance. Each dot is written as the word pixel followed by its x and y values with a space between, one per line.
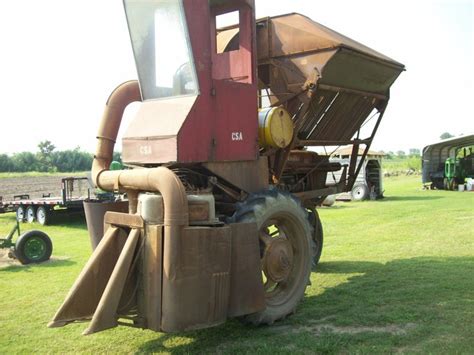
pixel 359 192
pixel 33 247
pixel 20 214
pixel 30 214
pixel 318 234
pixel 285 250
pixel 43 215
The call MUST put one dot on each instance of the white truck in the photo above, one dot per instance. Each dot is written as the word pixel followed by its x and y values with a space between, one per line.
pixel 369 182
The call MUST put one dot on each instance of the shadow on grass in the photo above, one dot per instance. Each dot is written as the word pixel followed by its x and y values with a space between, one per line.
pixel 430 294
pixel 53 263
pixel 345 267
pixel 71 220
pixel 76 220
pixel 340 205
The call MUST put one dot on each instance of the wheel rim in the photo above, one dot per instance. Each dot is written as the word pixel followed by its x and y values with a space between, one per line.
pixel 358 191
pixel 20 214
pixel 281 257
pixel 41 215
pixel 30 215
pixel 35 248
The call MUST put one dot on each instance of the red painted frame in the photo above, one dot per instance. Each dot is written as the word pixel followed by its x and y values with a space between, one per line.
pixel 223 123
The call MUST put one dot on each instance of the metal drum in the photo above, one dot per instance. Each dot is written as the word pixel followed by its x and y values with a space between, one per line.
pixel 95 211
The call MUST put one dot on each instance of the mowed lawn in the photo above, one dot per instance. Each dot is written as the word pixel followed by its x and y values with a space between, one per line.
pixel 396 275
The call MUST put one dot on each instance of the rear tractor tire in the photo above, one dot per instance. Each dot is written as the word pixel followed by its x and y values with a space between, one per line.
pixel 445 184
pixel 33 247
pixel 285 249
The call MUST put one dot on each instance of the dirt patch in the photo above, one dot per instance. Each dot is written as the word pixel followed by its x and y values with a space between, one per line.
pixel 6 261
pixel 390 329
pixel 318 328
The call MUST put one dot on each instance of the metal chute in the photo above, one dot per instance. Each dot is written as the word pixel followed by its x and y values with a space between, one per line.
pixel 99 288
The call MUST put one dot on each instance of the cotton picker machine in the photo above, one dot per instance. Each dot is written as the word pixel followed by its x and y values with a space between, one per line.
pixel 222 191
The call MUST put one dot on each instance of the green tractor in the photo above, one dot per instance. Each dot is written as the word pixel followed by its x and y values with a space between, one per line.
pixel 457 169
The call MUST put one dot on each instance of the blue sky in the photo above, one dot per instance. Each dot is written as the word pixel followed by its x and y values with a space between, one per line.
pixel 61 59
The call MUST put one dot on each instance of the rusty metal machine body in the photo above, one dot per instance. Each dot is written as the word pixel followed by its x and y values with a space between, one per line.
pixel 222 191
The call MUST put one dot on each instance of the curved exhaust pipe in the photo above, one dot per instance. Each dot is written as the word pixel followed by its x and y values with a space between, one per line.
pixel 159 179
pixel 119 99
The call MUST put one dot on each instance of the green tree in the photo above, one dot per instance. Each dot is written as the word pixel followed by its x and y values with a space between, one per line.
pixel 49 160
pixel 6 164
pixel 24 161
pixel 45 156
pixel 446 135
pixel 401 154
pixel 413 152
pixel 72 160
pixel 117 157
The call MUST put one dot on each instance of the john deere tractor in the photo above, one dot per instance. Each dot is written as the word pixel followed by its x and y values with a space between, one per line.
pixel 457 169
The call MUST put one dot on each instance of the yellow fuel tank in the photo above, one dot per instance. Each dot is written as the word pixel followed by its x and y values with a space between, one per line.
pixel 275 127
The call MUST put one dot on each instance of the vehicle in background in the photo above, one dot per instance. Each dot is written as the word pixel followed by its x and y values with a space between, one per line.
pixel 369 181
pixel 448 163
pixel 5 207
pixel 74 191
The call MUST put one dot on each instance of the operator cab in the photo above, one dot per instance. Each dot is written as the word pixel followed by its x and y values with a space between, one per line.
pixel 162 49
pixel 199 104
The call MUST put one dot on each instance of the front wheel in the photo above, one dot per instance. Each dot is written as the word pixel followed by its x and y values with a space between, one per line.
pixel 285 250
pixel 452 184
pixel 33 247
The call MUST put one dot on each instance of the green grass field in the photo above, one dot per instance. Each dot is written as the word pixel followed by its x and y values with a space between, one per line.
pixel 396 275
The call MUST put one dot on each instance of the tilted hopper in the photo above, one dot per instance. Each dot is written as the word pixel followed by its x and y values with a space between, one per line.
pixel 348 80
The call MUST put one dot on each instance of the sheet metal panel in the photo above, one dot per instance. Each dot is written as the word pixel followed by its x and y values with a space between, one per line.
pixel 336 116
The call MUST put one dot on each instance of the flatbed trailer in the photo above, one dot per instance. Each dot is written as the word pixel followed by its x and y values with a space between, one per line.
pixel 4 208
pixel 45 208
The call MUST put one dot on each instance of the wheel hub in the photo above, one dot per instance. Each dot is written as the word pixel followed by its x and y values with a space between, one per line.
pixel 34 248
pixel 278 259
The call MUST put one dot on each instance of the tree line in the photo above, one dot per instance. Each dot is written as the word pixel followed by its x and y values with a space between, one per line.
pixel 413 152
pixel 48 159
